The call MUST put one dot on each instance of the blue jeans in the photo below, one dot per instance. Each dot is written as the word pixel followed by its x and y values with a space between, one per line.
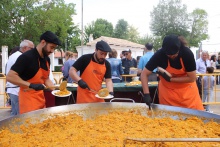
pixel 116 80
pixel 14 104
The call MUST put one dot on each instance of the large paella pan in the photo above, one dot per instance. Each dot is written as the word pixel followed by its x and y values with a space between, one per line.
pixel 83 128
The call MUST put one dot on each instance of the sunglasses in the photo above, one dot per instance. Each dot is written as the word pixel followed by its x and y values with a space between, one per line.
pixel 126 54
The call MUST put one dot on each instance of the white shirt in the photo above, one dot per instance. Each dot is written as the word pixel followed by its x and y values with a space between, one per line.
pixel 213 64
pixel 201 67
pixel 12 59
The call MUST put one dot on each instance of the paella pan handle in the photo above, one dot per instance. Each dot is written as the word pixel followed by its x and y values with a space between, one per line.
pixel 124 99
pixel 171 140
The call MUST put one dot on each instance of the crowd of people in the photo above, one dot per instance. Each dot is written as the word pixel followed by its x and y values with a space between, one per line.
pixel 181 87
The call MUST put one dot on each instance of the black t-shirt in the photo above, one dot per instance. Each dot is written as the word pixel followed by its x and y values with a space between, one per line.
pixel 127 64
pixel 27 64
pixel 160 59
pixel 84 60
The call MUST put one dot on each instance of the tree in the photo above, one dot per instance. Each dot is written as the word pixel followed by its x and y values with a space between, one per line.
pixel 169 17
pixel 73 38
pixel 29 19
pixel 100 27
pixel 156 41
pixel 198 27
pixel 132 34
pixel 121 29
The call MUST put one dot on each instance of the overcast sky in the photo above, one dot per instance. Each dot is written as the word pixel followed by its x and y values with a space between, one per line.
pixel 137 13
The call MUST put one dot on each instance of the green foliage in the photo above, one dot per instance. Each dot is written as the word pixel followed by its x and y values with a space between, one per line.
pixel 171 17
pixel 121 29
pixel 198 27
pixel 29 19
pixel 73 38
pixel 133 34
pixel 100 27
pixel 157 41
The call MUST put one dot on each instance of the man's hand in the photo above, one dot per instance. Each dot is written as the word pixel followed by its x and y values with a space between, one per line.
pixel 83 84
pixel 37 87
pixel 164 75
pixel 147 99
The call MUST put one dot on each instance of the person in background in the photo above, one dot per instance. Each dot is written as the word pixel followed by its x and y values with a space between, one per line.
pixel 31 72
pixel 128 62
pixel 15 49
pixel 144 59
pixel 138 60
pixel 93 69
pixel 213 61
pixel 122 55
pixel 209 82
pixel 214 64
pixel 203 62
pixel 116 66
pixel 201 65
pixel 67 64
pixel 218 67
pixel 12 89
pixel 218 63
pixel 180 89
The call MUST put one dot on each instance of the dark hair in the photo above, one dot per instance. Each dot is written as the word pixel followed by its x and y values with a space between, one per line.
pixel 149 46
pixel 138 57
pixel 113 54
pixel 13 50
pixel 213 57
pixel 210 69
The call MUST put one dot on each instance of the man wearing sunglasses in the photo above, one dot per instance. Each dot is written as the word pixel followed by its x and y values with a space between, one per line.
pixel 180 88
pixel 128 62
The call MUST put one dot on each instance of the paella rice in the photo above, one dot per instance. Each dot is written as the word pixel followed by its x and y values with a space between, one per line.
pixel 103 92
pixel 63 92
pixel 109 130
pixel 132 83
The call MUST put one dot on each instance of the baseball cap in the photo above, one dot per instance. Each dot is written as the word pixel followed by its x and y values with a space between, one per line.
pixel 171 44
pixel 50 37
pixel 103 46
pixel 127 50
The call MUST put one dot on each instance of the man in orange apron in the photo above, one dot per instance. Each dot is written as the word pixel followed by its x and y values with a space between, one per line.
pixel 31 70
pixel 180 89
pixel 93 69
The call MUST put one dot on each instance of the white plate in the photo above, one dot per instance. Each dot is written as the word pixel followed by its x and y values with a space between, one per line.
pixel 54 91
pixel 57 85
pixel 107 97
pixel 72 85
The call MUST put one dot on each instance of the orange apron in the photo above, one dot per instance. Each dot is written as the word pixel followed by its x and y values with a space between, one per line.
pixel 179 94
pixel 33 100
pixel 93 75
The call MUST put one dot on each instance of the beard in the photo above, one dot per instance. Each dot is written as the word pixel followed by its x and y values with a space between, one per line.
pixel 45 52
pixel 100 60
